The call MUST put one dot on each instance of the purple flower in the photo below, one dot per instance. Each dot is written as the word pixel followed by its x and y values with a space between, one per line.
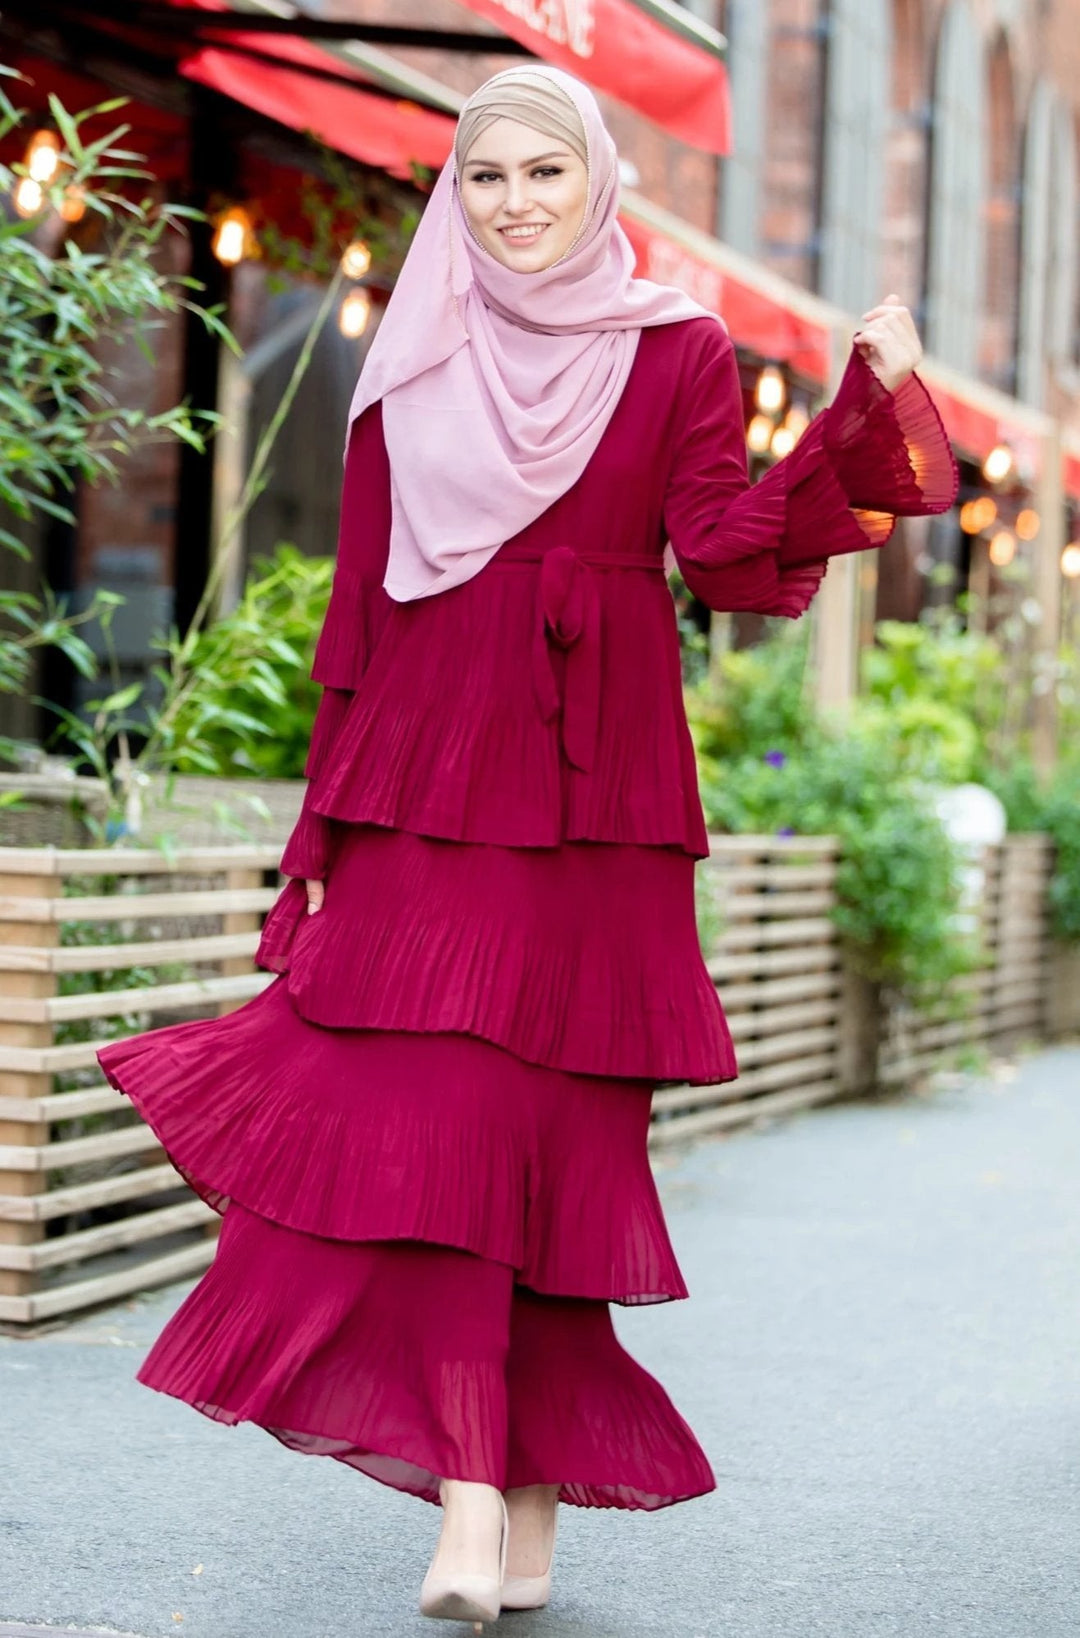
pixel 775 759
pixel 786 830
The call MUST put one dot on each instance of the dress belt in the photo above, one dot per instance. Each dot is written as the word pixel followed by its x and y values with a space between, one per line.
pixel 568 616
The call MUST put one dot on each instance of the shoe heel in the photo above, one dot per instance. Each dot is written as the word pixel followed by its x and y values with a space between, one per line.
pixel 467 1597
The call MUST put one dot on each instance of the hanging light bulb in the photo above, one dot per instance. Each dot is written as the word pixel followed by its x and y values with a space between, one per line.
pixel 998 464
pixel 1002 548
pixel 1027 523
pixel 354 314
pixel 796 421
pixel 73 204
pixel 1070 560
pixel 977 515
pixel 356 259
pixel 782 442
pixel 43 156
pixel 759 434
pixel 234 236
pixel 770 393
pixel 29 196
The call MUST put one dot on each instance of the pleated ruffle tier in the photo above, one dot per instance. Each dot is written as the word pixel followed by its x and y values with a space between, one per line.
pixel 581 958
pixel 414 1362
pixel 374 1135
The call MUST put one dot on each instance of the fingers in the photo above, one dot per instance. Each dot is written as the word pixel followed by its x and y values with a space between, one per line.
pixel 315 895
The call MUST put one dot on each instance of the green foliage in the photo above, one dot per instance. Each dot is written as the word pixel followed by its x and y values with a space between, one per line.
pixel 1053 808
pixel 938 691
pixel 60 422
pixel 754 701
pixel 251 704
pixel 897 880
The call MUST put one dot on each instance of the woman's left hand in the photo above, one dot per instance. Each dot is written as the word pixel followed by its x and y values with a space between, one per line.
pixel 889 342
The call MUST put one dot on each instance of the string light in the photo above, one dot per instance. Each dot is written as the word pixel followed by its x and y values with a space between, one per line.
pixel 234 236
pixel 1070 560
pixel 770 393
pixel 782 442
pixel 356 259
pixel 977 515
pixel 354 314
pixel 73 204
pixel 759 434
pixel 43 156
pixel 29 196
pixel 796 421
pixel 1027 523
pixel 998 464
pixel 1002 548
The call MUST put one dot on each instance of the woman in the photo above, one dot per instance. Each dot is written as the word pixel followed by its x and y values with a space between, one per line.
pixel 428 1136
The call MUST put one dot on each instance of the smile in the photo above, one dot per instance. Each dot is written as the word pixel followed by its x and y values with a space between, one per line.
pixel 525 233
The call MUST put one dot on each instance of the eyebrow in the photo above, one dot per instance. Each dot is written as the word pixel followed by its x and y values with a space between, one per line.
pixel 493 165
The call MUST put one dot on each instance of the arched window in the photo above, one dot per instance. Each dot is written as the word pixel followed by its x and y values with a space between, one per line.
pixel 746 27
pixel 954 282
pixel 857 97
pixel 1047 242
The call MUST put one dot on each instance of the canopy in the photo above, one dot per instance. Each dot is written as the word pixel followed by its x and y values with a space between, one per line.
pixel 755 319
pixel 648 54
pixel 387 133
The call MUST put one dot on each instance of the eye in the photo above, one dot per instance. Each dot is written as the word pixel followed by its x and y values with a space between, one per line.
pixel 548 170
pixel 485 176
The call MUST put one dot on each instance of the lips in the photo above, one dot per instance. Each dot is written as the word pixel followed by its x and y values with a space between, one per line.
pixel 517 235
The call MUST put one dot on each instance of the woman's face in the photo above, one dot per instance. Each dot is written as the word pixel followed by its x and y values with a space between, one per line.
pixel 524 194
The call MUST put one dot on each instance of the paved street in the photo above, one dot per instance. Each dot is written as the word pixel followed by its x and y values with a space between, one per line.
pixel 882 1356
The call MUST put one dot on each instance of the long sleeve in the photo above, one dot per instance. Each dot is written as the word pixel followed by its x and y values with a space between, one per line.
pixel 353 623
pixel 869 457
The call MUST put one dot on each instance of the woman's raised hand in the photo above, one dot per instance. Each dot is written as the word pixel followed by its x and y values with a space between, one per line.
pixel 889 342
pixel 315 894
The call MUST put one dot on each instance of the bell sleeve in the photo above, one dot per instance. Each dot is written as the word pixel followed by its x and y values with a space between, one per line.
pixel 354 620
pixel 868 458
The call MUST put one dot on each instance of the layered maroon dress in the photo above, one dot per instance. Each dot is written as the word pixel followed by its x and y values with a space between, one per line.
pixel 428 1135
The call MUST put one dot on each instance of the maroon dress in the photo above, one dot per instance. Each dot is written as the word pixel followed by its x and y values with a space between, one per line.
pixel 428 1135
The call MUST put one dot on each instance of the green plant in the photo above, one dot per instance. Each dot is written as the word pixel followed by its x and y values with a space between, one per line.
pixel 252 704
pixel 754 700
pixel 60 422
pixel 897 880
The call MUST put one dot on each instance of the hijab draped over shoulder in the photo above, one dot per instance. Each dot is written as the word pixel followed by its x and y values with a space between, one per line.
pixel 496 386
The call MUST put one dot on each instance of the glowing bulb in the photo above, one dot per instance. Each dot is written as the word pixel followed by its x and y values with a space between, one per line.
pixel 356 259
pixel 796 421
pixel 759 434
pixel 29 197
pixel 770 394
pixel 354 314
pixel 1002 548
pixel 1070 560
pixel 233 237
pixel 998 464
pixel 1027 523
pixel 783 442
pixel 73 204
pixel 43 156
pixel 977 515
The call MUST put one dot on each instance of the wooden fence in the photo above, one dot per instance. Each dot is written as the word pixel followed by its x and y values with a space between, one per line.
pixel 95 944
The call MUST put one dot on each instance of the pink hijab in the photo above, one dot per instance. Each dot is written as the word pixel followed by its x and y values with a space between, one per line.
pixel 496 386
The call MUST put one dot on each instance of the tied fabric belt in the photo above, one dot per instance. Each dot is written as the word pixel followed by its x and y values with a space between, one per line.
pixel 568 616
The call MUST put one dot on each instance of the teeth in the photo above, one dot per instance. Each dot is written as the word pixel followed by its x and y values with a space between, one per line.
pixel 524 232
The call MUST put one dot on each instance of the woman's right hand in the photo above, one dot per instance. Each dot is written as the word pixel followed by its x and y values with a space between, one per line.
pixel 315 894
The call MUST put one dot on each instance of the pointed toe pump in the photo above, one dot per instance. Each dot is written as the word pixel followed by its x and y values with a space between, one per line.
pixel 455 1594
pixel 530 1592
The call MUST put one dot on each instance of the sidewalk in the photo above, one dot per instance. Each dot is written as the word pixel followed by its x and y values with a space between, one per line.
pixel 881 1355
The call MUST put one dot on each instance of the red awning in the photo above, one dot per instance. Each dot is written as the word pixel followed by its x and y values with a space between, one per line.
pixel 388 134
pixel 1072 475
pixel 656 67
pixel 754 319
pixel 975 430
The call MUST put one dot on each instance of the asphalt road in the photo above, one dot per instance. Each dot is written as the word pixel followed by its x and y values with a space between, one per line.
pixel 881 1355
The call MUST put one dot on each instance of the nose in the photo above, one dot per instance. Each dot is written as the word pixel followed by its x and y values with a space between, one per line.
pixel 518 195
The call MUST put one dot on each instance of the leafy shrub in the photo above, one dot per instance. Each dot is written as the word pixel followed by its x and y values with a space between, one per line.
pixel 897 879
pixel 250 703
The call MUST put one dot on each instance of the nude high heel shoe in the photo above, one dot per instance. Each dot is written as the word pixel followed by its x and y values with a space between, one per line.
pixel 531 1592
pixel 465 1595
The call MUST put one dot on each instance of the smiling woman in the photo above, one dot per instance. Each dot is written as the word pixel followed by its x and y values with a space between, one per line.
pixel 524 206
